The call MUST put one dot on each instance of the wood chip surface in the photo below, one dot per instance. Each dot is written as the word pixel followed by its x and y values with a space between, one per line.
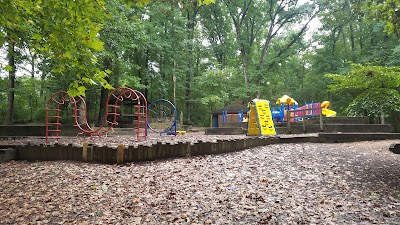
pixel 302 183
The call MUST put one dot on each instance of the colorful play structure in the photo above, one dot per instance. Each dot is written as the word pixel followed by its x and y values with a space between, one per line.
pixel 115 100
pixel 160 116
pixel 260 120
pixel 308 110
pixel 262 117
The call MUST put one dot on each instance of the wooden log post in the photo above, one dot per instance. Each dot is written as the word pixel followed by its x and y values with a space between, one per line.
pixel 214 147
pixel 321 123
pixel 85 151
pixel 173 150
pixel 120 154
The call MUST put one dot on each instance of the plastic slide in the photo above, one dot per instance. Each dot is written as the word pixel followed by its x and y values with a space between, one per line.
pixel 328 113
pixel 325 111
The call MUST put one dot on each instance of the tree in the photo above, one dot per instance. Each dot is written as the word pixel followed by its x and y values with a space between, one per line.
pixel 122 34
pixel 14 31
pixel 217 30
pixel 261 25
pixel 375 90
pixel 211 89
pixel 142 3
pixel 69 38
pixel 387 11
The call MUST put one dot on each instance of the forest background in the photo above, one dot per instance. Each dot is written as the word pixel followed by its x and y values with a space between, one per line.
pixel 201 54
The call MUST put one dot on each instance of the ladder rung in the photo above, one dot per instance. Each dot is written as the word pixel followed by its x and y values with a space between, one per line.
pixel 53 130
pixel 137 121
pixel 53 123
pixel 114 114
pixel 58 110
pixel 54 116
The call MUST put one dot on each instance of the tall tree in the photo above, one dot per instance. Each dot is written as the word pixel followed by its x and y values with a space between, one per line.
pixel 70 37
pixel 122 34
pixel 258 24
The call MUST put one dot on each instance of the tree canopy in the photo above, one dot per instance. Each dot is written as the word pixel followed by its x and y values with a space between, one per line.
pixel 201 54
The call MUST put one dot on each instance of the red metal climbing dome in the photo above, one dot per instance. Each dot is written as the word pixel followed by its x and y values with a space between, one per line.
pixel 114 107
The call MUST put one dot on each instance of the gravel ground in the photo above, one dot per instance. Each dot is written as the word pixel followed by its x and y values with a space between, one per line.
pixel 306 183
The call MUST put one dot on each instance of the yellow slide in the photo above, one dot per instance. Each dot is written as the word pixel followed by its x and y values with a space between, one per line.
pixel 328 113
pixel 260 118
pixel 325 111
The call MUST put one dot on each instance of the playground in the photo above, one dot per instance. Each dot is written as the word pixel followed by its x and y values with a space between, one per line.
pixel 152 132
pixel 155 174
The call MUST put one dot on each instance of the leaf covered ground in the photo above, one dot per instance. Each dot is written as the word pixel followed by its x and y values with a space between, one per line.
pixel 306 183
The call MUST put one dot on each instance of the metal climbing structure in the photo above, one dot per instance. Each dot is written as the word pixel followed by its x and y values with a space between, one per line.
pixel 114 105
pixel 138 110
pixel 162 117
pixel 53 114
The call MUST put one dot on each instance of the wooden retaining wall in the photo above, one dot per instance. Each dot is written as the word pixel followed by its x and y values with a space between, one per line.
pixel 126 154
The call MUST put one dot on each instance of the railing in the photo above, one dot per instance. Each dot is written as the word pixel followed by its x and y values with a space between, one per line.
pixel 304 117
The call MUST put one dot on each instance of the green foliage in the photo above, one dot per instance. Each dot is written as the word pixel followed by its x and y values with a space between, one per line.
pixel 205 55
pixel 212 87
pixel 372 103
pixel 142 3
pixel 69 38
pixel 375 88
pixel 366 78
pixel 387 11
pixel 211 90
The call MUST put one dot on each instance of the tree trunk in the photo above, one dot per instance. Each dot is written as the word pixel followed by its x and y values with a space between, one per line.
pixel 11 83
pixel 144 77
pixel 353 46
pixel 191 19
pixel 245 70
pixel 104 96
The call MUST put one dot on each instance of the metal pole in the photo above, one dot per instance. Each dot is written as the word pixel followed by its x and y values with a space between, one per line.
pixel 304 120
pixel 181 121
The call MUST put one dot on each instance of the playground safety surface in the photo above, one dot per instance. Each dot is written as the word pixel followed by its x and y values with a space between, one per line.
pixel 308 183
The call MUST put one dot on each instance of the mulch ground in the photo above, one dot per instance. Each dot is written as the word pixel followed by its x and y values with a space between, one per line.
pixel 306 183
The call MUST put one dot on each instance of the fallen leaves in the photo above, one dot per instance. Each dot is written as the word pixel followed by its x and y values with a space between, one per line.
pixel 276 184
